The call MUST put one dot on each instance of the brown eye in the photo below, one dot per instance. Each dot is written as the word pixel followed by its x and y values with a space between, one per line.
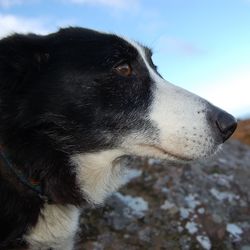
pixel 124 69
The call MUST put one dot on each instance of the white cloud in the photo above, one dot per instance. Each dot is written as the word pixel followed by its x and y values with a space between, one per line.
pixel 229 92
pixel 117 4
pixel 10 3
pixel 113 4
pixel 13 24
pixel 177 46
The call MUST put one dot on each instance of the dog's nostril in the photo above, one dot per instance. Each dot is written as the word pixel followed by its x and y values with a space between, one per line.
pixel 226 123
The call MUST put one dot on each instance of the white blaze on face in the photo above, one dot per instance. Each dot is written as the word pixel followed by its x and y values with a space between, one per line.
pixel 180 117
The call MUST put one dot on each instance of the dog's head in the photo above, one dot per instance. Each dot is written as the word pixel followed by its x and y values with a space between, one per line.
pixel 97 96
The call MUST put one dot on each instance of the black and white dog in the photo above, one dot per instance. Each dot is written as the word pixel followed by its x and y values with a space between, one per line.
pixel 71 104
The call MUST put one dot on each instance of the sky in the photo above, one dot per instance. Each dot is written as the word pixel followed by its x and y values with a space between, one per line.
pixel 200 45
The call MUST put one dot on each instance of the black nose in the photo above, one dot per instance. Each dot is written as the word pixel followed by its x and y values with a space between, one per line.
pixel 226 124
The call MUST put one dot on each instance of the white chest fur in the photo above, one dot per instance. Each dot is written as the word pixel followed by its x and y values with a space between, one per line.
pixel 56 228
pixel 98 175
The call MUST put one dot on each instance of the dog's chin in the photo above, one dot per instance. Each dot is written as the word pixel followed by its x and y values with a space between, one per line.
pixel 157 151
pixel 160 152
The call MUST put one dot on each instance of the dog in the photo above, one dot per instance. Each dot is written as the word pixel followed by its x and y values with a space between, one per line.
pixel 71 104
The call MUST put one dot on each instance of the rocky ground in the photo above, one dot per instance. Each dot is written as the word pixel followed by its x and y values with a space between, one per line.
pixel 205 205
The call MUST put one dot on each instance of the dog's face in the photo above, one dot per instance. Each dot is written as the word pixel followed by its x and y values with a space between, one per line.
pixel 109 88
pixel 98 96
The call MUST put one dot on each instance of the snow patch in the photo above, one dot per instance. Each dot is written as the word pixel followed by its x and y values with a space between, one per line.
pixel 167 205
pixel 165 190
pixel 153 161
pixel 204 241
pixel 191 201
pixel 130 174
pixel 137 205
pixel 184 213
pixel 234 230
pixel 192 227
pixel 222 179
pixel 223 196
pixel 201 210
pixel 222 160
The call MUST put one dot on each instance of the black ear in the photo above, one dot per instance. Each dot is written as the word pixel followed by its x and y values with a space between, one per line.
pixel 20 57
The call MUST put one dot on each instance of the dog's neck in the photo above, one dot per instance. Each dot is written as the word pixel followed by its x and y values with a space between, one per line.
pixel 99 174
pixel 15 174
pixel 19 209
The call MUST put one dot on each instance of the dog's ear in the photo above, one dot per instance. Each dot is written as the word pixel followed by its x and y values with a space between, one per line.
pixel 21 56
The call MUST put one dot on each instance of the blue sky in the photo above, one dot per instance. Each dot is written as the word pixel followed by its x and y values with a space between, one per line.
pixel 200 45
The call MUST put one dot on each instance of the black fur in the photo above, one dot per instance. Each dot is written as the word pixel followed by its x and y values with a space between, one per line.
pixel 60 95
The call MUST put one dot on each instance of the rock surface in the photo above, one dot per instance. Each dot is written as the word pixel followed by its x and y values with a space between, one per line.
pixel 204 205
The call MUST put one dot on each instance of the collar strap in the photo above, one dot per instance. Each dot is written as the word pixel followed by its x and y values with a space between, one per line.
pixel 30 183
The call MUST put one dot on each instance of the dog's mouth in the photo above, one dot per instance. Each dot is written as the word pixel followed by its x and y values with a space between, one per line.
pixel 165 152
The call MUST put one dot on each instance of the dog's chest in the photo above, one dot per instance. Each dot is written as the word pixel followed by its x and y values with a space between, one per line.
pixel 56 228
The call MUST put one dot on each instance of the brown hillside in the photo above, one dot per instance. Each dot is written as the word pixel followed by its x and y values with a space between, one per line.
pixel 242 132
